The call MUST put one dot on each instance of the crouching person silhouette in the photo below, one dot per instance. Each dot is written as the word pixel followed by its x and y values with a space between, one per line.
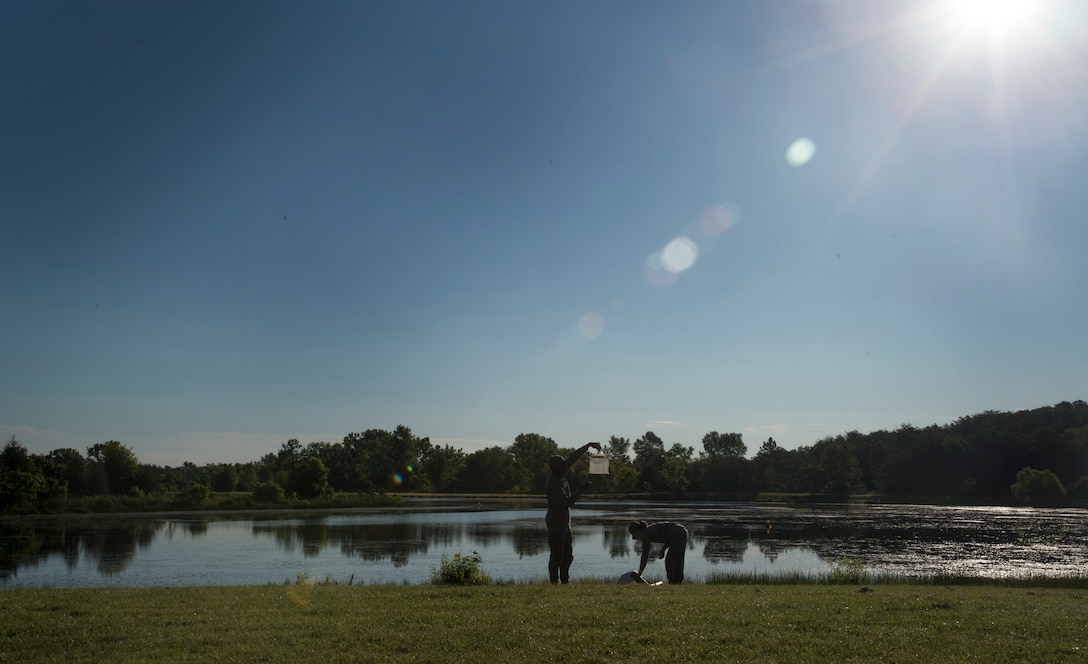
pixel 674 540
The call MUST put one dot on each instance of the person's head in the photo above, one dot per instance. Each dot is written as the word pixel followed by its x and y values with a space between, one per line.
pixel 636 529
pixel 557 464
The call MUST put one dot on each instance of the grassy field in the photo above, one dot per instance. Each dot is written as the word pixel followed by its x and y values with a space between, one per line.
pixel 582 622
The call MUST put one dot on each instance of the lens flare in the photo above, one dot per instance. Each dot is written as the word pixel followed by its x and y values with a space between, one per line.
pixel 719 218
pixel 654 272
pixel 679 255
pixel 800 152
pixel 591 325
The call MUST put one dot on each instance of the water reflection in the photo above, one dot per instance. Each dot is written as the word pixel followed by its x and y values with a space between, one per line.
pixel 403 545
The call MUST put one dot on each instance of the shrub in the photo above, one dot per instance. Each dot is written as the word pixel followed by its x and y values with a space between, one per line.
pixel 268 492
pixel 460 570
pixel 196 494
pixel 1038 487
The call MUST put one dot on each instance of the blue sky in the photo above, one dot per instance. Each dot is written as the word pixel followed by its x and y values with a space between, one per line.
pixel 228 224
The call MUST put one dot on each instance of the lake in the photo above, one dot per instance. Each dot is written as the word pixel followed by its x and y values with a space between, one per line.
pixel 403 545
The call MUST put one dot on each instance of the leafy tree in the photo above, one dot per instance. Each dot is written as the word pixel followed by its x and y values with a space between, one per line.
pixel 531 451
pixel 70 468
pixel 311 479
pixel 14 457
pixel 774 468
pixel 493 470
pixel 384 460
pixel 1038 487
pixel 441 466
pixel 117 465
pixel 20 481
pixel 721 465
pixel 650 462
pixel 723 445
pixel 840 469
pixel 621 477
pixel 224 477
pixel 674 471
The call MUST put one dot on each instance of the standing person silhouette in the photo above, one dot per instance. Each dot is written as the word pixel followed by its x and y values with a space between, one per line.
pixel 560 500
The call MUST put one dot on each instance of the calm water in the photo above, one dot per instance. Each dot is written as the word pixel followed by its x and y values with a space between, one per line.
pixel 403 545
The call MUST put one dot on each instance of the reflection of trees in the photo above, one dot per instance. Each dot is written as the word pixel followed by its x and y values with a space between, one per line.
pixel 617 541
pixel 529 541
pixel 722 550
pixel 375 542
pixel 111 544
pixel 194 528
pixel 771 548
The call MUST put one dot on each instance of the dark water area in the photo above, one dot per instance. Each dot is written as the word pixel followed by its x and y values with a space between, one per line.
pixel 404 545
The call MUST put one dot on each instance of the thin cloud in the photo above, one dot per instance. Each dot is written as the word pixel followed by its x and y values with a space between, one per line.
pixel 663 423
pixel 761 430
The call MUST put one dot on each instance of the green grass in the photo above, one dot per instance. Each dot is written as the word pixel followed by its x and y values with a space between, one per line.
pixel 581 622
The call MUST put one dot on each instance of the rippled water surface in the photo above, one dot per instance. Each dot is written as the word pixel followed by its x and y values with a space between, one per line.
pixel 404 545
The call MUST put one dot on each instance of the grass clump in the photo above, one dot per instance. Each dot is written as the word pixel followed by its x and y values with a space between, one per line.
pixel 460 570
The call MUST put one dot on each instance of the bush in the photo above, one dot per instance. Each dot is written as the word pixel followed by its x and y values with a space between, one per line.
pixel 197 494
pixel 1078 491
pixel 268 492
pixel 1038 487
pixel 460 570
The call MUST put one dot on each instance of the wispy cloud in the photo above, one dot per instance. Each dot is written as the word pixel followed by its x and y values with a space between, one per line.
pixel 761 430
pixel 663 423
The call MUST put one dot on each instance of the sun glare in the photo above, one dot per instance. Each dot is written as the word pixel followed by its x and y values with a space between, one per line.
pixel 996 18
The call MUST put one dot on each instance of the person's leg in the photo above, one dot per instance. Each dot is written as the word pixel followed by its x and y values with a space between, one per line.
pixel 568 557
pixel 556 555
pixel 674 560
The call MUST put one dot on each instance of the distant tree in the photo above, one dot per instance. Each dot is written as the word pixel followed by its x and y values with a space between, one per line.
pixel 621 477
pixel 1040 488
pixel 770 467
pixel 441 466
pixel 674 471
pixel 118 466
pixel 721 445
pixel 20 481
pixel 70 468
pixel 493 470
pixel 384 460
pixel 224 477
pixel 840 469
pixel 311 479
pixel 14 457
pixel 722 465
pixel 531 452
pixel 650 462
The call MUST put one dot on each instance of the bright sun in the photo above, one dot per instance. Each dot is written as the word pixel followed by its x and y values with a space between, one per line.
pixel 996 18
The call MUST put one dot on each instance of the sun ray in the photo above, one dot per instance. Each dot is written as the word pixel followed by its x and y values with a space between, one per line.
pixel 872 165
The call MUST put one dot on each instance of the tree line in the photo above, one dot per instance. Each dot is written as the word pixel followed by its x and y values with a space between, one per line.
pixel 1037 456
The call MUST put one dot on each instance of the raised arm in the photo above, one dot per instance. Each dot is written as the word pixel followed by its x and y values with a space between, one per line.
pixel 580 452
